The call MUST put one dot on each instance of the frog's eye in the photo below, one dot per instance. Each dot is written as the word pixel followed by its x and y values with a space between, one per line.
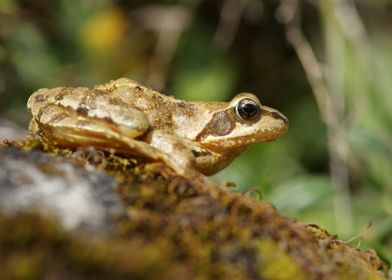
pixel 247 109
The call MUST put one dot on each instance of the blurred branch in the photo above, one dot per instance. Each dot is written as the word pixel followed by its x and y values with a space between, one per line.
pixel 230 16
pixel 288 14
pixel 331 111
pixel 351 25
pixel 168 22
pixel 344 15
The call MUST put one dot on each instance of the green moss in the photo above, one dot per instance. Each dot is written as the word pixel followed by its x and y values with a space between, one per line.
pixel 275 263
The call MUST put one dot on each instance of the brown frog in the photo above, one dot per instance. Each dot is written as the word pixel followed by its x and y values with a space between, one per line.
pixel 132 119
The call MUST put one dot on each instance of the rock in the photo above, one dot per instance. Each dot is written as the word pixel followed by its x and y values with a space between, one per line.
pixel 79 198
pixel 10 130
pixel 174 228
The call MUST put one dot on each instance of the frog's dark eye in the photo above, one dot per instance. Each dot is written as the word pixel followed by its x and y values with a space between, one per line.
pixel 247 109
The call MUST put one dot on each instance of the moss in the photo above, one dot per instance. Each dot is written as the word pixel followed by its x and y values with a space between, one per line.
pixel 176 228
pixel 22 266
pixel 275 263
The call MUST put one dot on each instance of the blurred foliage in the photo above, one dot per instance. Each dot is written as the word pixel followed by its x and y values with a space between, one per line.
pixel 210 50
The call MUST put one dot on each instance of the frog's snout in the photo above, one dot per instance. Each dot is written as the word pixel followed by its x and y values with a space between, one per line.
pixel 279 119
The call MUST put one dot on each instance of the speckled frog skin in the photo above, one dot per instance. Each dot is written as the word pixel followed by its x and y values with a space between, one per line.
pixel 135 120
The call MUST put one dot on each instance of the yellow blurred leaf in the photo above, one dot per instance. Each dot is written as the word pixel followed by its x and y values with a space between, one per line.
pixel 7 6
pixel 104 32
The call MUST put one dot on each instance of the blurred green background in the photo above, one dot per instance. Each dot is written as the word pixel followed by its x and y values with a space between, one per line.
pixel 326 64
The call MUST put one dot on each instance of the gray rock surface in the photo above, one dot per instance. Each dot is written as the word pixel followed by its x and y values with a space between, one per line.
pixel 82 199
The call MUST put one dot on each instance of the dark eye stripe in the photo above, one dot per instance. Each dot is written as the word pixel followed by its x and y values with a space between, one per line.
pixel 221 124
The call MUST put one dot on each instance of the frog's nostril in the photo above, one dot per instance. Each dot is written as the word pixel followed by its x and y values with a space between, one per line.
pixel 277 115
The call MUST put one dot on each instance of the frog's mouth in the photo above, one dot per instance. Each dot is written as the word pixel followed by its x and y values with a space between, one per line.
pixel 225 145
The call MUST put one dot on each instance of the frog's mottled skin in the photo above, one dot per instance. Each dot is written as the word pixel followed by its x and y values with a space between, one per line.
pixel 128 117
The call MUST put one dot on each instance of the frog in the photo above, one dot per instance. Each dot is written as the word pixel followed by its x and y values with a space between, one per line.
pixel 191 137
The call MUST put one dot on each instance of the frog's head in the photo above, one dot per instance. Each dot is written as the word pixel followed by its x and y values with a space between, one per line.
pixel 243 122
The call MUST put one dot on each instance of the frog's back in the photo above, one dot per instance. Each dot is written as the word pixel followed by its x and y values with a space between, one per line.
pixel 60 96
pixel 163 112
pixel 118 92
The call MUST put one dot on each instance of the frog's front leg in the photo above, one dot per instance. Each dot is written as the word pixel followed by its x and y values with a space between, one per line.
pixel 179 155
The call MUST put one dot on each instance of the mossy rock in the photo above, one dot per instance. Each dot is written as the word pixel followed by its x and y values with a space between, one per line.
pixel 152 224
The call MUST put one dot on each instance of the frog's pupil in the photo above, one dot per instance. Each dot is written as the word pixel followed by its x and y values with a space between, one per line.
pixel 247 109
